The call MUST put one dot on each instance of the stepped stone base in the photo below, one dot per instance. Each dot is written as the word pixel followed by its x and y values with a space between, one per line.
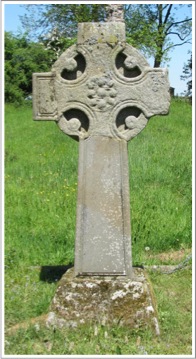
pixel 104 300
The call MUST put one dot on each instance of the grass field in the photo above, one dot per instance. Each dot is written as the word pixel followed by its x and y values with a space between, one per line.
pixel 40 215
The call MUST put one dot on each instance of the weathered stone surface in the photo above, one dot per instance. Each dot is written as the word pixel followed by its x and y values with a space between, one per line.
pixel 103 243
pixel 115 12
pixel 104 300
pixel 95 33
pixel 44 102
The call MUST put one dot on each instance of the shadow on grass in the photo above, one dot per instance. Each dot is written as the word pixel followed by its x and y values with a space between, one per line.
pixel 52 274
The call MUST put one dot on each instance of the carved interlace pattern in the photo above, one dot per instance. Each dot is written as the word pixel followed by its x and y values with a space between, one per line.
pixel 101 92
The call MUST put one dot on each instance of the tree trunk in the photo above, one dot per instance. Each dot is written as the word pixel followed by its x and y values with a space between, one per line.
pixel 157 61
pixel 160 38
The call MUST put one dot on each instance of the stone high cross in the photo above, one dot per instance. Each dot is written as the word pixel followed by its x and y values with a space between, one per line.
pixel 102 92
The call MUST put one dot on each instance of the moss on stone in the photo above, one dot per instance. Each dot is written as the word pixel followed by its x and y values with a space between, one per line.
pixel 112 300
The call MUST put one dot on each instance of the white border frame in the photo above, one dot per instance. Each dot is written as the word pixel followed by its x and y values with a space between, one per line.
pixel 32 2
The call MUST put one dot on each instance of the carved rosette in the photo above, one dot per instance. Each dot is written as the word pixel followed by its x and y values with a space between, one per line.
pixel 101 92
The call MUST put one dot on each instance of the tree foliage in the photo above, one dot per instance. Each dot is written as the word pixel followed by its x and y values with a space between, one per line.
pixel 22 58
pixel 41 20
pixel 153 28
pixel 187 75
pixel 158 28
pixel 55 25
pixel 51 28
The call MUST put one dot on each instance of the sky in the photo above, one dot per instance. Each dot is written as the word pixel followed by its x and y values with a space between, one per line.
pixel 179 56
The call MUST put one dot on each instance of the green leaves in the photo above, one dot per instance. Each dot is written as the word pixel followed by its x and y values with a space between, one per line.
pixel 156 29
pixel 42 19
pixel 187 75
pixel 22 58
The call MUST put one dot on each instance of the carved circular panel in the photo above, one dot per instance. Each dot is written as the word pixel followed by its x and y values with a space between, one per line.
pixel 74 68
pixel 128 64
pixel 75 120
pixel 71 65
pixel 127 120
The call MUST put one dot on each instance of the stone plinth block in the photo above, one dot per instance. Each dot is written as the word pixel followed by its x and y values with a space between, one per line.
pixel 104 300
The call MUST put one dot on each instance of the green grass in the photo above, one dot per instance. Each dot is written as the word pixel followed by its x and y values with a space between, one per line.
pixel 160 183
pixel 41 183
pixel 40 214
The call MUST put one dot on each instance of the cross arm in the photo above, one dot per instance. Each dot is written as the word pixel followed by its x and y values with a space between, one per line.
pixel 44 101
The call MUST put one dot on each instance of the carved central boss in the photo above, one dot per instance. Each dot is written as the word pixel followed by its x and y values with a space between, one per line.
pixel 101 86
